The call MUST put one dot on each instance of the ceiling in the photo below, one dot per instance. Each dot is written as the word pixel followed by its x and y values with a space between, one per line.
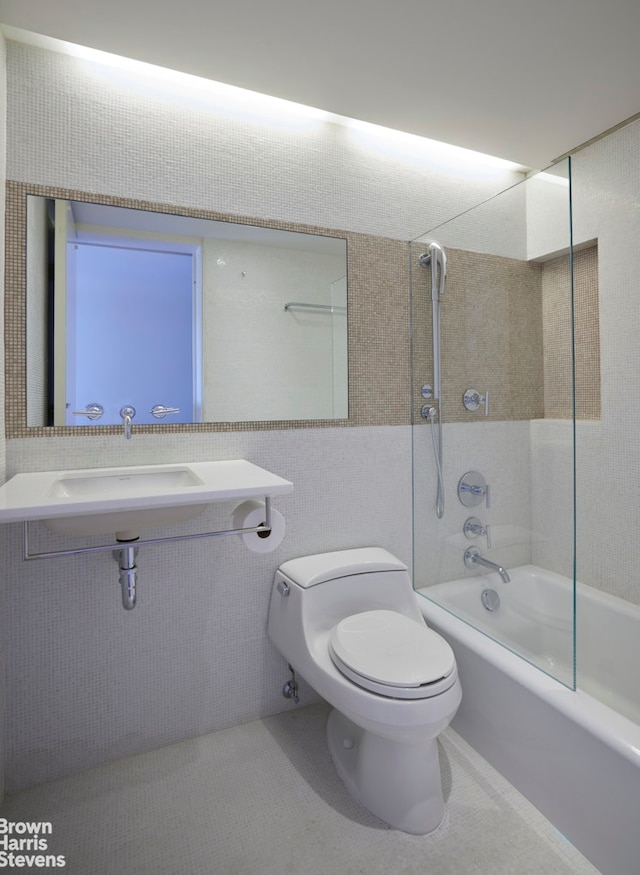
pixel 526 81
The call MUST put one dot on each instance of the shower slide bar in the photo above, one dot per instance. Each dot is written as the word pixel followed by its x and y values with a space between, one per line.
pixel 436 259
pixel 265 527
pixel 319 308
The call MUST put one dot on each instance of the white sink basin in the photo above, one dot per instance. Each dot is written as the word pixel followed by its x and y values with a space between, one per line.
pixel 121 483
pixel 127 500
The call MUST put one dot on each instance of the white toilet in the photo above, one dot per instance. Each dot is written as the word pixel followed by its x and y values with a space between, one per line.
pixel 348 622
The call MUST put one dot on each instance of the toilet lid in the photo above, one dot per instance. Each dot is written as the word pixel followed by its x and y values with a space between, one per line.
pixel 391 649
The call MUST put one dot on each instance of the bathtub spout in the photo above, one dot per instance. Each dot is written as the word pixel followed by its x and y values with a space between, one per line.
pixel 472 557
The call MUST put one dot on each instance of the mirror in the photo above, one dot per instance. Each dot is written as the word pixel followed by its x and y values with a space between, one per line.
pixel 183 318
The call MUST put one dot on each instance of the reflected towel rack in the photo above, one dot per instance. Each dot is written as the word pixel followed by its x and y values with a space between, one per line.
pixel 319 308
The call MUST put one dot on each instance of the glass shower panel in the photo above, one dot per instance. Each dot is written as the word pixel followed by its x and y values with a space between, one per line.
pixel 506 416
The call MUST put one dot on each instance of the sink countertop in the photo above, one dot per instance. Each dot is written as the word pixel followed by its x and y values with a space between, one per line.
pixel 39 495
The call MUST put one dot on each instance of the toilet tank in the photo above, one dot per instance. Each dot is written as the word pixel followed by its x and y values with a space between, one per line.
pixel 310 571
pixel 325 588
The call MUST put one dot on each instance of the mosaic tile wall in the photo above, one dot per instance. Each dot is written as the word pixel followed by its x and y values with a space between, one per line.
pixel 606 208
pixel 506 328
pixel 3 443
pixel 491 335
pixel 197 640
pixel 557 320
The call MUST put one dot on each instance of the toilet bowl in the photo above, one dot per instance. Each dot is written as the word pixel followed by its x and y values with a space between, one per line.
pixel 349 623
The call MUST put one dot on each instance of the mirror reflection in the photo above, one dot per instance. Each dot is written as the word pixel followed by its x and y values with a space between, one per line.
pixel 180 319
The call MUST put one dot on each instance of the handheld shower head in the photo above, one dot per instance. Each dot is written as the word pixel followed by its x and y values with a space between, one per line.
pixel 437 259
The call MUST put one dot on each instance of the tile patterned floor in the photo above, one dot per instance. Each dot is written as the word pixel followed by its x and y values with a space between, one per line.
pixel 263 799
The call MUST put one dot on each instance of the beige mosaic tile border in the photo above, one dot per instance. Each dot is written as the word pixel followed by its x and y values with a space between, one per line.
pixel 506 327
pixel 557 306
pixel 490 335
pixel 378 323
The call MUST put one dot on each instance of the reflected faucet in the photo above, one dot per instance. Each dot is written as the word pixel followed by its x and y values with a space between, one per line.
pixel 472 557
pixel 127 413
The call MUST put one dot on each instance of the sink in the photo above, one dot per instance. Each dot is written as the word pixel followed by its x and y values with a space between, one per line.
pixel 126 524
pixel 122 484
pixel 129 499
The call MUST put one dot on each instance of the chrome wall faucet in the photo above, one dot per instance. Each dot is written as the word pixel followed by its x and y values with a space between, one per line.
pixel 472 557
pixel 127 413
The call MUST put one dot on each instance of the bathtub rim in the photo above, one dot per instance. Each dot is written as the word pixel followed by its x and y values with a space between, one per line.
pixel 610 727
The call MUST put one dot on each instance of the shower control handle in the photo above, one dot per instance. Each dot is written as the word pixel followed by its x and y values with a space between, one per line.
pixel 473 528
pixel 472 399
pixel 472 488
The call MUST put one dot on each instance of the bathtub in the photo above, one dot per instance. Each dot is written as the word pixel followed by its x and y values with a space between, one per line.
pixel 575 754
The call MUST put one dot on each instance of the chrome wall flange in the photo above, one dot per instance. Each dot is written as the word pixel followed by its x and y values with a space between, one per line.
pixel 290 689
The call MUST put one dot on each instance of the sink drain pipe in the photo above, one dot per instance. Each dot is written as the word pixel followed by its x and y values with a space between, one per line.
pixel 126 559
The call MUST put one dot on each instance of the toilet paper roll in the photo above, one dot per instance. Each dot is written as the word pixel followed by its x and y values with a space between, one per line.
pixel 252 513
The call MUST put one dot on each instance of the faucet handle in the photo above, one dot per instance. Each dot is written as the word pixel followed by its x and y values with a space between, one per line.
pixel 472 399
pixel 473 528
pixel 161 410
pixel 91 411
pixel 472 488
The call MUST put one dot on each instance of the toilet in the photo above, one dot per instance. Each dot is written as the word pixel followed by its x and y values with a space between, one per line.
pixel 349 623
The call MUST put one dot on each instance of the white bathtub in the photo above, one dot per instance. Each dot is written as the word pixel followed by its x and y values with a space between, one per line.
pixel 574 754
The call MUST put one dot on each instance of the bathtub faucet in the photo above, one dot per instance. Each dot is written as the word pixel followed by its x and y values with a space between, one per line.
pixel 472 557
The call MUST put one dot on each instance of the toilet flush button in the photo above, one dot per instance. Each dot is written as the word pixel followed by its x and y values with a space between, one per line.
pixel 347 743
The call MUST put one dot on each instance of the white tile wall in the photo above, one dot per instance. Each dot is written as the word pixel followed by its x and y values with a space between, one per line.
pixel 606 206
pixel 87 681
pixel 261 362
pixel 3 443
pixel 105 132
pixel 500 452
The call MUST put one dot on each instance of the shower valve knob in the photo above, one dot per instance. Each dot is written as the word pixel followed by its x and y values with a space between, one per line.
pixel 429 412
pixel 472 399
pixel 473 489
pixel 473 528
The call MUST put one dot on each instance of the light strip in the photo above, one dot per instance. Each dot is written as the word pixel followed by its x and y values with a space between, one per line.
pixel 545 176
pixel 415 146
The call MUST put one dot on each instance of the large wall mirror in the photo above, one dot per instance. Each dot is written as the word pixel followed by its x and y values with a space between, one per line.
pixel 187 318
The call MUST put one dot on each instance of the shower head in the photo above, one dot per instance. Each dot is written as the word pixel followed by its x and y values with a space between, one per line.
pixel 435 257
pixel 434 250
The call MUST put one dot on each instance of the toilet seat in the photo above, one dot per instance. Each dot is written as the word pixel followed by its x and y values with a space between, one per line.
pixel 393 655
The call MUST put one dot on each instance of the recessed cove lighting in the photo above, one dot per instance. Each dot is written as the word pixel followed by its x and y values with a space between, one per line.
pixel 400 144
pixel 546 176
pixel 161 83
pixel 185 89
